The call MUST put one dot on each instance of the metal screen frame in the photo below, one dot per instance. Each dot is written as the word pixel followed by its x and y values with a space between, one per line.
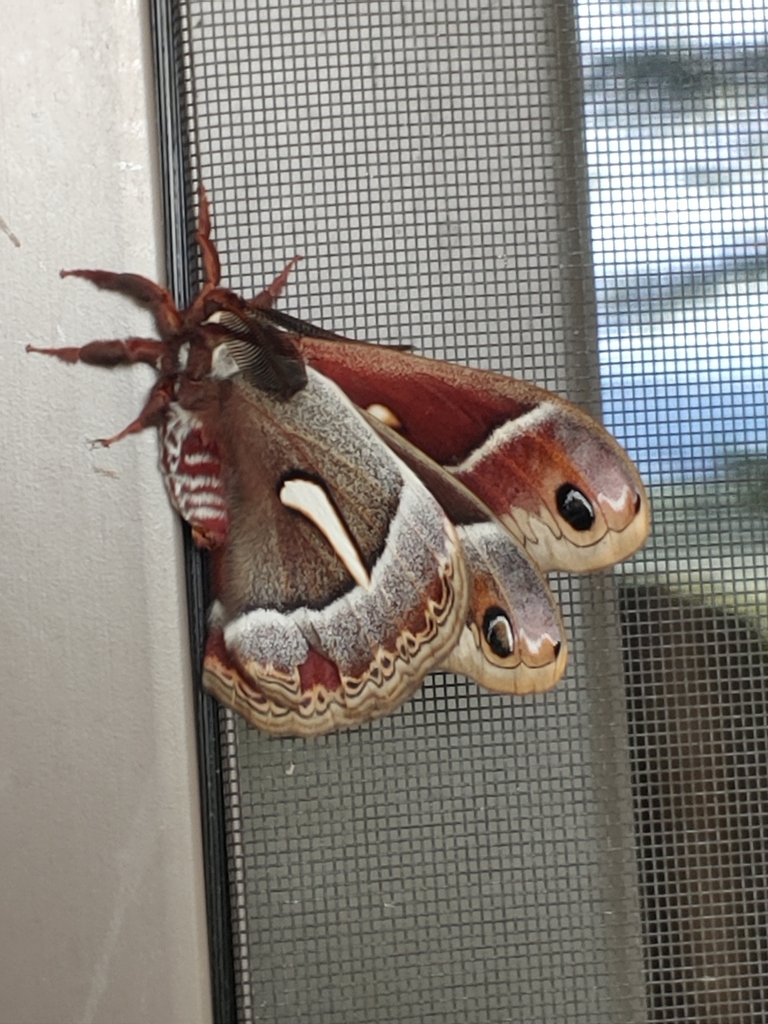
pixel 216 783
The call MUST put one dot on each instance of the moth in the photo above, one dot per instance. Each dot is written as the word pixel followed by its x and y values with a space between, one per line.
pixel 371 515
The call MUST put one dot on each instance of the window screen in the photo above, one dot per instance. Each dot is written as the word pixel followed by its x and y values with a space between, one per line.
pixel 574 197
pixel 676 133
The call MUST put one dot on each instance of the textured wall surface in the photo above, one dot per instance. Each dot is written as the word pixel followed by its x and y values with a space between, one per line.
pixel 101 898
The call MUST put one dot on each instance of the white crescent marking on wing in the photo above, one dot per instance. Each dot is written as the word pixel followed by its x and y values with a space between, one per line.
pixel 310 499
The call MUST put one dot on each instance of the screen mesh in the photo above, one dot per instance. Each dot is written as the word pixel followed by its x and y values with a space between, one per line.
pixel 475 858
pixel 676 138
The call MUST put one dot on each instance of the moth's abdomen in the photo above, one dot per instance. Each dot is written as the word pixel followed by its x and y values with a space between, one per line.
pixel 191 467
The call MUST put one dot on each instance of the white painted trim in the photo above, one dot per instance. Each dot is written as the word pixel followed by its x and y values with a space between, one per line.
pixel 102 903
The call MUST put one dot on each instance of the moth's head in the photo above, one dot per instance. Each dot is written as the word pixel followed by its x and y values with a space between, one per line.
pixel 244 343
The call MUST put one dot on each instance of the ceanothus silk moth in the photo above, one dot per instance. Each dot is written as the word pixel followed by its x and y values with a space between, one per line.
pixel 371 515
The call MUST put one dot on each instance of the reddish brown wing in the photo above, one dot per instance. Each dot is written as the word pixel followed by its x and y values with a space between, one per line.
pixel 553 475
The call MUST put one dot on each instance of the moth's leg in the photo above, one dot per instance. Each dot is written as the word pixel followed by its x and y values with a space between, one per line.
pixel 150 416
pixel 157 298
pixel 211 263
pixel 265 299
pixel 110 353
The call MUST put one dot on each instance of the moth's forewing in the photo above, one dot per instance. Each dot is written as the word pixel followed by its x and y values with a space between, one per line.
pixel 340 580
pixel 554 476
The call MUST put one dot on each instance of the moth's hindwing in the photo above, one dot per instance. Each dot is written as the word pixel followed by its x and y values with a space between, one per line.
pixel 341 583
pixel 513 640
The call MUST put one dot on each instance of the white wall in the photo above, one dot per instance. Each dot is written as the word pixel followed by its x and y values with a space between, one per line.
pixel 101 897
